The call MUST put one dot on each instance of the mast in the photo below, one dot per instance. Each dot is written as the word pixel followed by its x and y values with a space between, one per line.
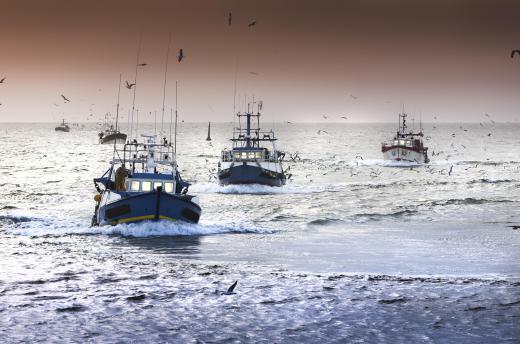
pixel 117 112
pixel 135 80
pixel 164 86
pixel 175 135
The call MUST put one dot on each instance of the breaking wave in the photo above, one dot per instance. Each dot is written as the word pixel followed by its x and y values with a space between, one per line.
pixel 32 226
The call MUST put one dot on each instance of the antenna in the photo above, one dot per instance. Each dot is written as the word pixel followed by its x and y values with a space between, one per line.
pixel 135 78
pixel 137 123
pixel 235 91
pixel 164 86
pixel 171 121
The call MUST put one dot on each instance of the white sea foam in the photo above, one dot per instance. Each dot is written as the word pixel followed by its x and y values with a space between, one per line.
pixel 256 189
pixel 38 226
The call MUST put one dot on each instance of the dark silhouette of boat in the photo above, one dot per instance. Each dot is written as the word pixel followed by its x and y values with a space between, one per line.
pixel 249 162
pixel 63 127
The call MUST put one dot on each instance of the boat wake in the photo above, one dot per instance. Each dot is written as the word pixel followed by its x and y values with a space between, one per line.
pixel 256 189
pixel 37 226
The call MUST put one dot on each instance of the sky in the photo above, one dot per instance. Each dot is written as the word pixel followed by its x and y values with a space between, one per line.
pixel 361 59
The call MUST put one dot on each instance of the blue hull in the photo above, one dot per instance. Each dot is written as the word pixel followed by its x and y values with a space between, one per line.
pixel 150 206
pixel 246 174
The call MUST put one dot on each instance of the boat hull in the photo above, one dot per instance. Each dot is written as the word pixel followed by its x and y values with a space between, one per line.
pixel 402 154
pixel 66 130
pixel 150 206
pixel 247 174
pixel 110 138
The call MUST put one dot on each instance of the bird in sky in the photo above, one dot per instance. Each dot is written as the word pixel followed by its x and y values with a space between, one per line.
pixel 288 122
pixel 2 80
pixel 180 56
pixel 129 85
pixel 514 52
pixel 253 23
pixel 325 117
pixel 344 117
pixel 254 73
pixel 142 64
pixel 230 17
pixel 65 99
pixel 353 97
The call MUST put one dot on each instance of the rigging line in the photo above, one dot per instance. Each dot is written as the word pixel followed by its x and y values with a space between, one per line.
pixel 135 80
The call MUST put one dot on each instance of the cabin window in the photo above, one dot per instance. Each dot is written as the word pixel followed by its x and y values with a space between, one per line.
pixel 156 185
pixel 258 155
pixel 237 156
pixel 244 156
pixel 168 187
pixel 134 185
pixel 147 186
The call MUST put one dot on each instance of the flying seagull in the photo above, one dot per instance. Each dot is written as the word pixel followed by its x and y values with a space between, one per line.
pixel 2 80
pixel 229 18
pixel 325 117
pixel 181 56
pixel 129 85
pixel 253 23
pixel 344 117
pixel 143 64
pixel 231 288
pixel 65 99
pixel 514 52
pixel 253 73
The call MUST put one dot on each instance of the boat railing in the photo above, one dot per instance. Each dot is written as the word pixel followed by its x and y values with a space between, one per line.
pixel 141 153
pixel 248 155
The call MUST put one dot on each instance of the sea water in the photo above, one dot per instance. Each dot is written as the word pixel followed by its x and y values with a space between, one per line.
pixel 350 250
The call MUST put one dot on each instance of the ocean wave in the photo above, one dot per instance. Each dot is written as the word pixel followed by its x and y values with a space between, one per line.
pixel 466 201
pixel 11 219
pixel 33 226
pixel 491 181
pixel 257 189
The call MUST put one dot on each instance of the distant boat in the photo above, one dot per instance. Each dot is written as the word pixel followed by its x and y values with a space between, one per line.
pixel 406 146
pixel 248 162
pixel 109 134
pixel 209 132
pixel 63 127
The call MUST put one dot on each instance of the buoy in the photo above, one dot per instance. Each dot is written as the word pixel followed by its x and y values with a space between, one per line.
pixel 97 198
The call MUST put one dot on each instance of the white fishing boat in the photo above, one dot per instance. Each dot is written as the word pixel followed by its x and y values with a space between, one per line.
pixel 406 146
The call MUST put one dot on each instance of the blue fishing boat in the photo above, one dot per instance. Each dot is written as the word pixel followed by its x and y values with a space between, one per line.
pixel 143 183
pixel 249 161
